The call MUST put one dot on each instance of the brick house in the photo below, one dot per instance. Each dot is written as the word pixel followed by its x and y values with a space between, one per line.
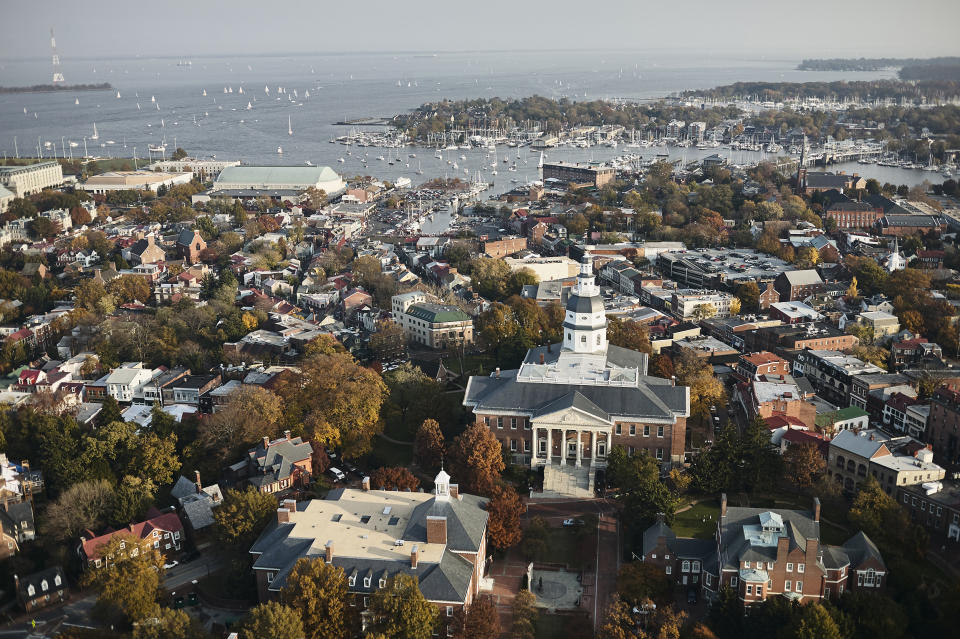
pixel 276 465
pixel 910 352
pixel 798 285
pixel 754 365
pixel 438 538
pixel 163 531
pixel 41 589
pixel 760 553
pixel 943 428
pixel 768 296
pixel 189 245
pixel 854 215
pixel 892 461
pixel 144 251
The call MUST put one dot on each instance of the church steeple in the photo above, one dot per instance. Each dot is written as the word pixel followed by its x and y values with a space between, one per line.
pixel 585 321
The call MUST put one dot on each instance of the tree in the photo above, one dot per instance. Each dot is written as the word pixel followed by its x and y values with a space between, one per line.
pixel 169 624
pixel 879 516
pixel 629 334
pixel 129 288
pixel 389 342
pixel 735 306
pixel 644 496
pixel 316 198
pixel 179 154
pixel 803 464
pixel 534 546
pixel 816 623
pixel 88 293
pixel 83 506
pixel 477 454
pixel 274 620
pixel 705 389
pixel 127 586
pixel 524 615
pixel 412 392
pixel 505 509
pixel 852 292
pixel 318 590
pixel 480 621
pixel 520 278
pixel 749 296
pixel 335 401
pixel 393 478
pixel 703 311
pixel 428 446
pixel 912 321
pixel 242 516
pixel 80 216
pixel 638 581
pixel 399 610
pixel 874 615
pixel 252 412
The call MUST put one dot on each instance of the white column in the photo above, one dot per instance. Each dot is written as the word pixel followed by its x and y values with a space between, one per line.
pixel 535 444
pixel 549 444
pixel 593 448
pixel 579 446
pixel 563 446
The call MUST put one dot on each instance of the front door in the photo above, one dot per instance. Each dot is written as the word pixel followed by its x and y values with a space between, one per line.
pixel 601 449
pixel 542 446
pixel 572 448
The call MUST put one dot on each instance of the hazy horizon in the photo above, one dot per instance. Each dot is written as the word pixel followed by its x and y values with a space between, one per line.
pixel 748 28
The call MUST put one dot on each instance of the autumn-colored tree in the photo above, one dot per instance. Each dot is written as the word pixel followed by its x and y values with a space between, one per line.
pixel 629 334
pixel 912 321
pixel 816 623
pixel 334 401
pixel 703 311
pixel 478 458
pixel 251 412
pixel 88 293
pixel 393 478
pixel 735 305
pixel 705 389
pixel 428 446
pixel 318 590
pixel 505 509
pixel 129 584
pixel 803 464
pixel 242 516
pixel 852 291
pixel 400 611
pixel 274 620
pixel 638 581
pixel 480 621
pixel 129 288
pixel 662 366
pixel 618 623
pixel 749 296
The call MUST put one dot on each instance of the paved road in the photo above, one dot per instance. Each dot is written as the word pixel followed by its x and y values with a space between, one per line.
pixel 75 612
pixel 196 569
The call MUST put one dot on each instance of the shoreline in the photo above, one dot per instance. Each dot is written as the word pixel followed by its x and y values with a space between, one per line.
pixel 54 88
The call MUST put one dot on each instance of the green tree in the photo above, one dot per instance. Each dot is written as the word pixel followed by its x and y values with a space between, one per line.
pixel 399 610
pixel 639 581
pixel 242 516
pixel 816 623
pixel 179 154
pixel 274 620
pixel 318 590
pixel 412 394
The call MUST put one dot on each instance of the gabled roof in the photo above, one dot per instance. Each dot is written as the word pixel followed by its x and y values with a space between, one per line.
pixel 860 548
pixel 576 400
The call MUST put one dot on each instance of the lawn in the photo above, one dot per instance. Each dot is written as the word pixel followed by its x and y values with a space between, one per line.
pixel 565 548
pixel 389 454
pixel 699 521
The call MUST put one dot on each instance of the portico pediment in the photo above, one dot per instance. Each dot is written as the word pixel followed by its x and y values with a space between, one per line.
pixel 569 417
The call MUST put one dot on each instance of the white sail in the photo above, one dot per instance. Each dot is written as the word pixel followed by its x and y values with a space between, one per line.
pixel 204 93
pixel 95 136
pixel 289 126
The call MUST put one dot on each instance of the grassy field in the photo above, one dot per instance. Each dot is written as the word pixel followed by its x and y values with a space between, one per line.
pixel 565 548
pixel 699 522
pixel 390 454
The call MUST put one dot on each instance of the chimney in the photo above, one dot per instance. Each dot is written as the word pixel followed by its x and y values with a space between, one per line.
pixel 266 442
pixel 328 552
pixel 816 509
pixel 723 504
pixel 150 240
pixel 436 530
pixel 196 480
pixel 283 516
pixel 290 505
pixel 541 358
pixel 413 556
pixel 365 483
pixel 286 434
pixel 454 491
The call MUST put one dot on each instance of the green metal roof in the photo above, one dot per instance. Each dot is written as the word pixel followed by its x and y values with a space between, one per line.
pixel 842 415
pixel 437 313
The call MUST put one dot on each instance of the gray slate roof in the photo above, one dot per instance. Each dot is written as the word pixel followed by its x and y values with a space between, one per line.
pixel 466 521
pixel 860 547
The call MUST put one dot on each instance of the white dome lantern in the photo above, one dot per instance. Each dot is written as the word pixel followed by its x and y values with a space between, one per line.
pixel 442 485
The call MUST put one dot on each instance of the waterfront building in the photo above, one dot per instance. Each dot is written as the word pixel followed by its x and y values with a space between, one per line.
pixel 593 174
pixel 271 178
pixel 132 180
pixel 30 179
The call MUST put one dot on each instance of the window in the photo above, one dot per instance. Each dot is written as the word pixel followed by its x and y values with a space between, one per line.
pixel 799 586
pixel 513 423
pixel 826 593
pixel 619 430
pixel 906 499
pixel 500 422
pixel 733 581
pixel 583 339
pixel 383 582
pixel 659 431
pixel 770 566
pixel 685 566
pixel 746 565
pixel 449 611
pixel 653 556
pixel 646 430
pixel 633 429
pixel 749 589
pixel 696 566
pixel 669 570
pixel 513 445
pixel 526 445
pixel 352 580
pixel 708 579
pixel 786 585
pixel 801 567
pixel 789 567
pixel 526 425
pixel 660 453
pixel 666 556
pixel 270 577
pixel 366 584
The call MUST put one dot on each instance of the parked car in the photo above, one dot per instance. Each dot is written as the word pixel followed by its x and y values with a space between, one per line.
pixel 171 564
pixel 572 523
pixel 692 596
pixel 336 473
pixel 349 467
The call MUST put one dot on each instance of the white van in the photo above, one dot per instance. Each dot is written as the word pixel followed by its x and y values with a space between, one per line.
pixel 336 473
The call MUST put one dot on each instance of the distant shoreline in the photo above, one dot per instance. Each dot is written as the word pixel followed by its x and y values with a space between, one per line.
pixel 55 88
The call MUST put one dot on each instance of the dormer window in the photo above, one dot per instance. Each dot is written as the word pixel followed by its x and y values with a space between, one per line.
pixel 57 580
pixel 31 591
pixel 353 580
pixel 44 586
pixel 366 582
pixel 383 582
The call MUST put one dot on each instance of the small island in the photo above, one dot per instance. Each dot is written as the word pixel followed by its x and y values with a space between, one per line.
pixel 54 88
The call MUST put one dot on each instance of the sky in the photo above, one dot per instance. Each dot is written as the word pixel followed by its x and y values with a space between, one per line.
pixel 795 28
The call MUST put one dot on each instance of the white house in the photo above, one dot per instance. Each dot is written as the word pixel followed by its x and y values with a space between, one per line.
pixel 124 382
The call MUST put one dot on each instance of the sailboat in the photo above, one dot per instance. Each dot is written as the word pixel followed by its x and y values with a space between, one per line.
pixel 76 101
pixel 204 93
pixel 280 150
pixel 266 89
pixel 249 106
pixel 153 98
pixel 289 126
pixel 95 136
pixel 419 170
pixel 306 93
pixel 240 90
pixel 138 106
pixel 224 89
pixel 118 95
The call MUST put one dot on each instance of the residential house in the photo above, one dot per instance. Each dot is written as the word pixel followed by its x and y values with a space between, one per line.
pixel 439 539
pixel 793 313
pixel 17 526
pixel 943 428
pixel 798 285
pixel 127 381
pixel 832 373
pixel 162 531
pixel 276 465
pixel 883 324
pixel 41 589
pixel 196 501
pixel 144 251
pixel 761 553
pixel 850 418
pixel 764 363
pixel 189 244
pixel 908 353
